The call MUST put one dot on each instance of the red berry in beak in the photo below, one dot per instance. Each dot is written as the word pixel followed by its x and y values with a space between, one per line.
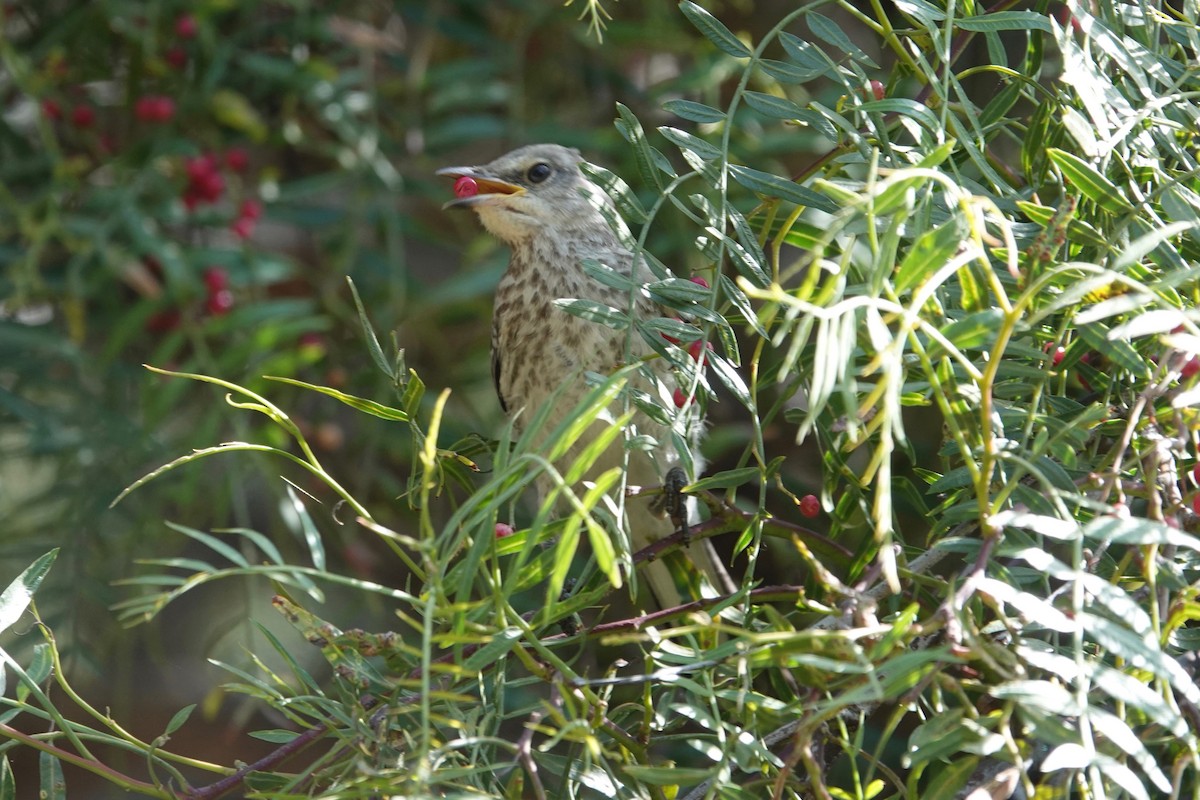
pixel 465 187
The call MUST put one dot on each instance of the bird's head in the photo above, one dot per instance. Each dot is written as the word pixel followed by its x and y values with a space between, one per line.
pixel 522 194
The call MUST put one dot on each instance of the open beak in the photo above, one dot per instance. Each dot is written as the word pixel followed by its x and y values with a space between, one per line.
pixel 488 188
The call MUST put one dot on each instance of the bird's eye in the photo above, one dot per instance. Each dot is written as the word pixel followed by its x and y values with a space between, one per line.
pixel 538 172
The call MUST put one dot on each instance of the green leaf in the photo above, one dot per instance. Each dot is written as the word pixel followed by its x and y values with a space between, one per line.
pixel 685 141
pixel 774 186
pixel 627 202
pixel 827 30
pixel 714 30
pixel 630 128
pixel 1005 21
pixel 594 312
pixel 929 253
pixel 312 536
pixel 8 785
pixel 908 108
pixel 180 717
pixel 972 331
pixel 1079 230
pixel 806 54
pixel 693 112
pixel 788 73
pixel 1121 353
pixel 359 403
pixel 732 380
pixel 772 106
pixel 53 786
pixel 666 776
pixel 500 644
pixel 369 334
pixel 607 276
pixel 728 479
pixel 17 596
pixel 275 735
pixel 213 543
pixel 1094 186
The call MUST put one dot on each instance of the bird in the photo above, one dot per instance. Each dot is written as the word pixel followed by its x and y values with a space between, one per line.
pixel 537 201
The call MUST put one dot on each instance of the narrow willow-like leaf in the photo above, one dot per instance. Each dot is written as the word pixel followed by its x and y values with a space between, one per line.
pixel 772 106
pixel 18 594
pixel 829 31
pixel 928 254
pixel 359 403
pixel 714 30
pixel 728 479
pixel 1005 21
pixel 1094 186
pixel 627 202
pixel 369 334
pixel 54 785
pixel 606 275
pixel 689 143
pixel 308 528
pixel 693 112
pixel 8 784
pixel 179 719
pixel 499 646
pixel 774 186
pixel 594 312
pixel 786 72
pixel 631 130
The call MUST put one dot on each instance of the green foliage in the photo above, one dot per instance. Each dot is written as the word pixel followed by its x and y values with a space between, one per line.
pixel 967 285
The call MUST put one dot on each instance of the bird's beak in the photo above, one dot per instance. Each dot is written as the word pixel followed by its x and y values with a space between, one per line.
pixel 488 188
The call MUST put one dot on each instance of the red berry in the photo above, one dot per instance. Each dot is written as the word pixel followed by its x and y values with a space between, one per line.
pixel 877 90
pixel 83 117
pixel 1196 502
pixel 237 159
pixel 200 166
pixel 154 108
pixel 465 187
pixel 696 279
pixel 209 187
pixel 1190 368
pixel 810 506
pixel 680 398
pixel 219 302
pixel 186 27
pixel 176 56
pixel 242 227
pixel 51 109
pixel 164 321
pixel 1058 353
pixel 251 209
pixel 503 529
pixel 696 351
pixel 216 279
pixel 164 109
pixel 1196 473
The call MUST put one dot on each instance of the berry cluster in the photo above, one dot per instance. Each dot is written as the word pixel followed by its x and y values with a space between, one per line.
pixel 154 109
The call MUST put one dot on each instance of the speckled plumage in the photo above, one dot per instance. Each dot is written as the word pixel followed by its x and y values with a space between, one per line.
pixel 536 200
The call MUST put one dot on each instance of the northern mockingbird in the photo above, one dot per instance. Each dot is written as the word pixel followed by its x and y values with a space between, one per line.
pixel 537 201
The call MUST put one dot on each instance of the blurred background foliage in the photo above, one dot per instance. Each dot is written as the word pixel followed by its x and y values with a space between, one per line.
pixel 189 184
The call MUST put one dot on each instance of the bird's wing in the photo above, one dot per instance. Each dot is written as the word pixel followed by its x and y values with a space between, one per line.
pixel 496 363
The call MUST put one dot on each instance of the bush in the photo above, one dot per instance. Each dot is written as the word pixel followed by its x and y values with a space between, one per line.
pixel 975 304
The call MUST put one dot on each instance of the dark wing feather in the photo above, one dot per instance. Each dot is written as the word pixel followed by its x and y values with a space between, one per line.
pixel 496 365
